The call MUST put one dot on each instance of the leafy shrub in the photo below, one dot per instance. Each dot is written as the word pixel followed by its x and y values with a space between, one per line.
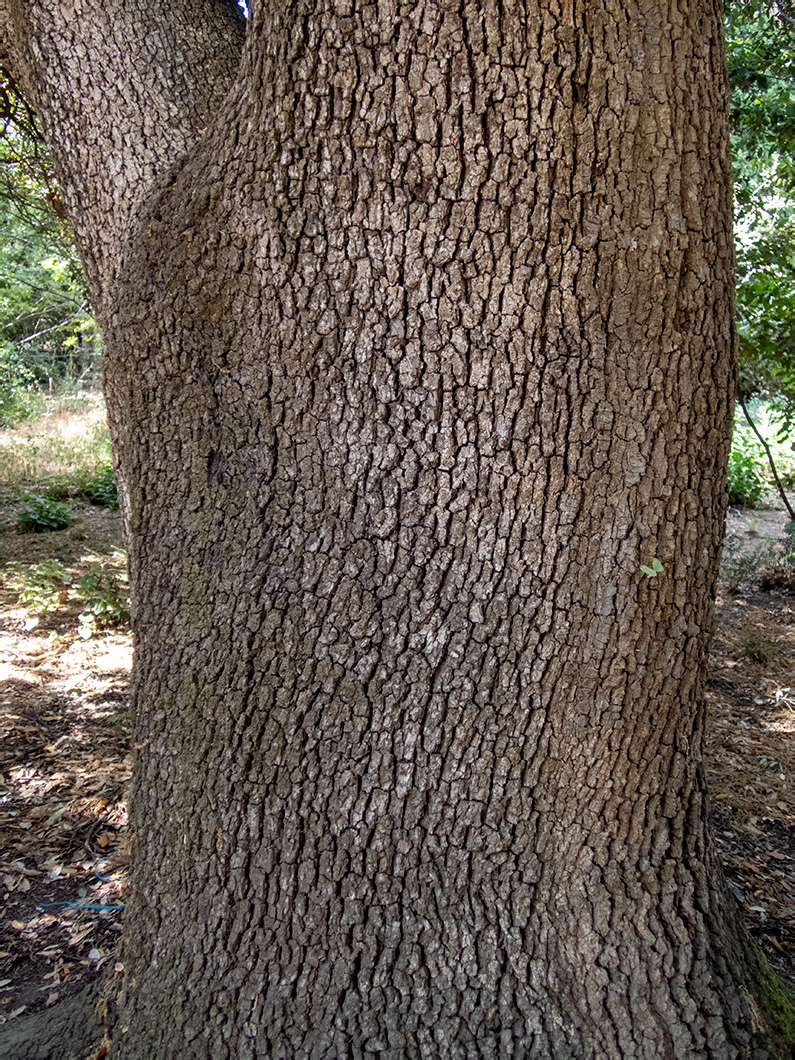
pixel 42 514
pixel 44 585
pixel 17 389
pixel 95 483
pixel 98 484
pixel 747 479
pixel 107 599
pixel 41 586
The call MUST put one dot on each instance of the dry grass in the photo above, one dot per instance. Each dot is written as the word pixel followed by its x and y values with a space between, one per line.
pixel 70 436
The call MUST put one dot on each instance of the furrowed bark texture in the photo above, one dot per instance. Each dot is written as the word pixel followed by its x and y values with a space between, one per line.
pixel 122 90
pixel 422 351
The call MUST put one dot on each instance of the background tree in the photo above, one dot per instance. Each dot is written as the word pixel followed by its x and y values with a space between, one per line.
pixel 417 331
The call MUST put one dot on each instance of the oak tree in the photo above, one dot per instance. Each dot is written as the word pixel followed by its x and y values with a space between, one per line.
pixel 417 324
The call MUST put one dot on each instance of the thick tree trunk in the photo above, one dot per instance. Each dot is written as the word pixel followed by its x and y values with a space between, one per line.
pixel 414 361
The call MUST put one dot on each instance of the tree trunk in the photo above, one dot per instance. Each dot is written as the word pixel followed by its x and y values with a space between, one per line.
pixel 415 358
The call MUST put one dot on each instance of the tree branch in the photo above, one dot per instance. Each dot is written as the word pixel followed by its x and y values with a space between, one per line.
pixel 770 460
pixel 122 92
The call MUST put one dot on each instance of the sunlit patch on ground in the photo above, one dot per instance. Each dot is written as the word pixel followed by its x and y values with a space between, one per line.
pixel 72 435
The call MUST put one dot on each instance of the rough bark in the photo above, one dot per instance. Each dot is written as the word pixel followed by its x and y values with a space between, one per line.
pixel 414 359
pixel 122 90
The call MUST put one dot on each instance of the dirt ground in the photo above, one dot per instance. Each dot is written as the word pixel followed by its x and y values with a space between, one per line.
pixel 64 727
pixel 64 741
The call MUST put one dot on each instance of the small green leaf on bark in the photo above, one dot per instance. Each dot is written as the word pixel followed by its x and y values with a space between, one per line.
pixel 655 568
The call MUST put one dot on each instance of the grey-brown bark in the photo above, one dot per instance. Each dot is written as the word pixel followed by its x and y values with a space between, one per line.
pixel 123 90
pixel 414 359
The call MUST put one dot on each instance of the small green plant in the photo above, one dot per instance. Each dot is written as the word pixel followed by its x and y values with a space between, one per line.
pixel 98 484
pixel 107 601
pixel 95 483
pixel 41 586
pixel 42 514
pixel 747 480
pixel 655 568
pixel 44 585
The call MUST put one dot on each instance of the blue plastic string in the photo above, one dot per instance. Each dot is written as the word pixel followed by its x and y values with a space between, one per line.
pixel 80 905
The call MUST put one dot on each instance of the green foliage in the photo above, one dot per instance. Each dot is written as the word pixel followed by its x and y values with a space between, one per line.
pixel 44 310
pixel 761 60
pixel 760 49
pixel 749 472
pixel 747 481
pixel 43 586
pixel 42 514
pixel 95 483
pixel 44 313
pixel 18 398
pixel 652 571
pixel 98 484
pixel 107 600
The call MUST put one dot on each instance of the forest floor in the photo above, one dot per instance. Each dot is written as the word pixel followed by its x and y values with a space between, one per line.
pixel 64 756
pixel 64 767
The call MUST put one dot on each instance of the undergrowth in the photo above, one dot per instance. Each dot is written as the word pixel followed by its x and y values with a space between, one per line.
pixel 42 514
pixel 99 587
pixel 63 453
pixel 19 398
pixel 95 483
pixel 749 474
pixel 771 565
